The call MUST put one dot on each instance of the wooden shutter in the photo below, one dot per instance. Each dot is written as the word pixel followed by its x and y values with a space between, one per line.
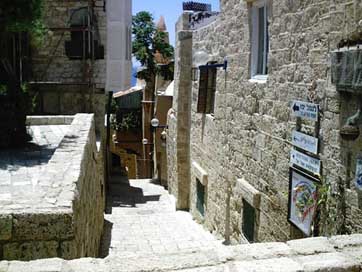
pixel 203 83
pixel 211 89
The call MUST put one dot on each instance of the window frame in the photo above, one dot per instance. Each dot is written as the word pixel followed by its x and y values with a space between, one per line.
pixel 255 40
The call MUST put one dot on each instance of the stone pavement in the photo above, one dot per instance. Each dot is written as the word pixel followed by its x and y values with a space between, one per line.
pixel 143 221
pixel 20 170
pixel 146 234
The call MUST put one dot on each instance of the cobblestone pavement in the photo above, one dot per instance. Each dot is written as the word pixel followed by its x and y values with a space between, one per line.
pixel 143 220
pixel 20 169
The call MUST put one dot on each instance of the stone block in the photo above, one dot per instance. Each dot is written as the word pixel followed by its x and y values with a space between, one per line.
pixel 6 227
pixel 310 246
pixel 30 250
pixel 261 251
pixel 45 226
pixel 46 265
pixel 68 250
pixel 270 265
pixel 343 241
pixel 4 266
pixel 88 265
pixel 331 262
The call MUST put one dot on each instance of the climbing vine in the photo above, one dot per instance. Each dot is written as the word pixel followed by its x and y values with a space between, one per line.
pixel 328 200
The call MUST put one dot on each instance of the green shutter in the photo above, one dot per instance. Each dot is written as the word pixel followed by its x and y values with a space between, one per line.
pixel 248 221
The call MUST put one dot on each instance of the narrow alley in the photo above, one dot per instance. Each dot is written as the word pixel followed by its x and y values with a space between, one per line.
pixel 142 220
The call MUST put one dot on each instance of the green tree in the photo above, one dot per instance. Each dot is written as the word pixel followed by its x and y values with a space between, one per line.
pixel 18 18
pixel 147 41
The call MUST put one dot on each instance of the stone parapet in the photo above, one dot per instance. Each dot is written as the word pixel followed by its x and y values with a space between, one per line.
pixel 49 120
pixel 65 216
pixel 338 253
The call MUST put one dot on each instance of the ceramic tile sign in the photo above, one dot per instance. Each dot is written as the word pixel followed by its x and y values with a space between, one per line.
pixel 302 200
pixel 305 142
pixel 358 179
pixel 306 162
pixel 305 110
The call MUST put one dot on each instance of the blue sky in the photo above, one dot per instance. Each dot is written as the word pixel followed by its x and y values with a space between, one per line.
pixel 170 9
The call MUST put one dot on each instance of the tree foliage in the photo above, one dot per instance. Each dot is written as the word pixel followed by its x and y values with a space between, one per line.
pixel 17 18
pixel 147 41
pixel 23 16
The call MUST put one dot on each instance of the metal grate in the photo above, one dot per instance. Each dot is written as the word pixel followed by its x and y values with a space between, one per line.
pixel 196 6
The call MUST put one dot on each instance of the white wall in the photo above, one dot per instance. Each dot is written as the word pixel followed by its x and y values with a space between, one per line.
pixel 119 61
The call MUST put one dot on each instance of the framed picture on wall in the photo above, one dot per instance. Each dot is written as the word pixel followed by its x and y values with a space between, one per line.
pixel 303 199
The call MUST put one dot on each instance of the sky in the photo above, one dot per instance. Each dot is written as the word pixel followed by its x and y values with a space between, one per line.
pixel 170 9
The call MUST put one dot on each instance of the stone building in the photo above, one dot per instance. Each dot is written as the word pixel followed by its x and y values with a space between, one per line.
pixel 230 130
pixel 86 51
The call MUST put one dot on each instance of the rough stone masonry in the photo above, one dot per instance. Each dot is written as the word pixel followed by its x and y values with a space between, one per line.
pixel 242 151
pixel 63 85
pixel 56 211
pixel 339 253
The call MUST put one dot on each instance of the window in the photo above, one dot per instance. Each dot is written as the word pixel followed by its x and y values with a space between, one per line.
pixel 200 201
pixel 84 44
pixel 259 39
pixel 128 43
pixel 207 88
pixel 248 226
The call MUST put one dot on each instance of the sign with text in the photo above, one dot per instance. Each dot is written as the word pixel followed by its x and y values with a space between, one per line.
pixel 305 142
pixel 306 162
pixel 305 110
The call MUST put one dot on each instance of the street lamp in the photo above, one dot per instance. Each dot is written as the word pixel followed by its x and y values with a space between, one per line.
pixel 155 123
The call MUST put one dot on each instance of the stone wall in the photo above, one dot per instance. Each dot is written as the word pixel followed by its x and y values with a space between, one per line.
pixel 67 221
pixel 50 63
pixel 178 139
pixel 248 137
pixel 338 253
pixel 65 86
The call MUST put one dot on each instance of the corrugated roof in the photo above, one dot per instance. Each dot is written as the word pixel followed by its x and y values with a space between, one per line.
pixel 129 91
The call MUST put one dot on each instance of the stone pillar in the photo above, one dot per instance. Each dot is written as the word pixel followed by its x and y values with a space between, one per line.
pixel 182 109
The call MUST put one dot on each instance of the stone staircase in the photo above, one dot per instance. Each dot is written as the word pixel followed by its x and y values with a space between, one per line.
pixel 144 232
pixel 142 220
